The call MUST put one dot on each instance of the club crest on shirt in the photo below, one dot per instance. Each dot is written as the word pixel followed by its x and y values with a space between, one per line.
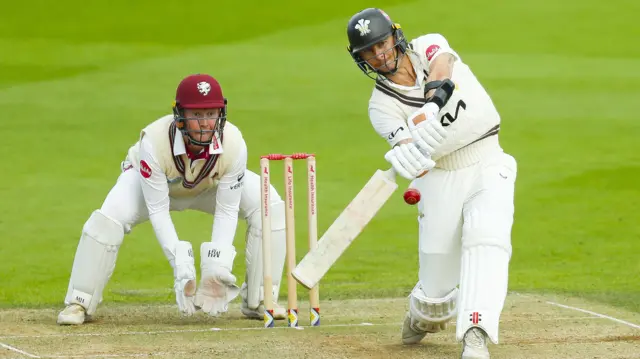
pixel 145 170
pixel 431 51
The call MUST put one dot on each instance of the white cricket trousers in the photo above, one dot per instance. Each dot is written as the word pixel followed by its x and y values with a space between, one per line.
pixel 459 205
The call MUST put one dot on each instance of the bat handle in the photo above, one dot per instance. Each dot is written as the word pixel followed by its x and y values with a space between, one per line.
pixel 391 174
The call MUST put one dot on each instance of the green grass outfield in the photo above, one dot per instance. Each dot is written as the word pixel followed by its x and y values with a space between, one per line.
pixel 77 83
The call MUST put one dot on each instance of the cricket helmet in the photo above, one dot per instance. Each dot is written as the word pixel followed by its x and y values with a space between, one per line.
pixel 368 27
pixel 199 91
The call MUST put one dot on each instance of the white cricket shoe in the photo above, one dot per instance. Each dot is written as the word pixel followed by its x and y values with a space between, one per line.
pixel 413 331
pixel 475 344
pixel 73 314
pixel 279 312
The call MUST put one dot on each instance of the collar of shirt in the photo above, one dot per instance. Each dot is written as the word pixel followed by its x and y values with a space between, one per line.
pixel 179 148
pixel 421 76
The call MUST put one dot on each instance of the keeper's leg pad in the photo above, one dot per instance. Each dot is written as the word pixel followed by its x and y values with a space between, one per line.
pixel 253 255
pixel 431 314
pixel 94 261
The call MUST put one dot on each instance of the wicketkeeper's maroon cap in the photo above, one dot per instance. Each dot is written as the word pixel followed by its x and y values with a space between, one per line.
pixel 199 91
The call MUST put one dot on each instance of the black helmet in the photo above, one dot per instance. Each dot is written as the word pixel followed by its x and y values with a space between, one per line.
pixel 368 27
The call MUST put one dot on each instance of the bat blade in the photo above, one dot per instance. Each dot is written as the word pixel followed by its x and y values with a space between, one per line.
pixel 349 224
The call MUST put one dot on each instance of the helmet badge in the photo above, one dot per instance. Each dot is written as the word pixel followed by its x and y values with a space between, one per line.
pixel 204 88
pixel 363 27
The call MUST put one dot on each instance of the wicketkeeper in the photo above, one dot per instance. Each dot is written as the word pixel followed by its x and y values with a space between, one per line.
pixel 191 159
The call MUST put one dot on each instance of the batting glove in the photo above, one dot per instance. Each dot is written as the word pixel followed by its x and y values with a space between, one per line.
pixel 408 161
pixel 428 134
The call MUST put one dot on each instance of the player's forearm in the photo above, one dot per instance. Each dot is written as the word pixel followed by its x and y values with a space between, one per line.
pixel 156 196
pixel 225 217
pixel 441 68
pixel 165 233
pixel 155 191
pixel 392 129
pixel 224 228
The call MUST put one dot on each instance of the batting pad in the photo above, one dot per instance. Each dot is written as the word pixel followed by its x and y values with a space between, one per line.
pixel 432 310
pixel 95 261
pixel 483 288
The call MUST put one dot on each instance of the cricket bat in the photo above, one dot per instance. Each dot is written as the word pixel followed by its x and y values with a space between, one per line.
pixel 346 228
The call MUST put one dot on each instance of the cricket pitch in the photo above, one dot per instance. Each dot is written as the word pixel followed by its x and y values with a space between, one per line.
pixel 532 326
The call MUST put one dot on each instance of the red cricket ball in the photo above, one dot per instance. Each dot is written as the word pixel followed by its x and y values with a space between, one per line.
pixel 411 196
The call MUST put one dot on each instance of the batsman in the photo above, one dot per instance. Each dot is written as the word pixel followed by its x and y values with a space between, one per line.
pixel 191 159
pixel 431 109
